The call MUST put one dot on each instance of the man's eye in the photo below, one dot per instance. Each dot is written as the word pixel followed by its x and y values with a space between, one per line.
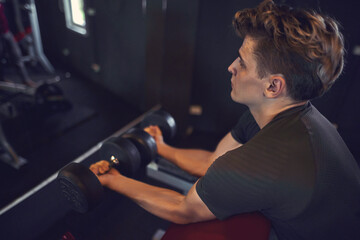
pixel 241 64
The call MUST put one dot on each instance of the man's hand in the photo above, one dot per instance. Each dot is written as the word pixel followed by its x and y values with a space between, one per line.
pixel 156 133
pixel 162 202
pixel 104 173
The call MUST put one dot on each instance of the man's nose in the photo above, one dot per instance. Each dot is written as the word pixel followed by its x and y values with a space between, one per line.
pixel 232 69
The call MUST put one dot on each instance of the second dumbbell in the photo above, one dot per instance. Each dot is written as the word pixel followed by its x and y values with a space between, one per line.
pixel 81 187
pixel 127 153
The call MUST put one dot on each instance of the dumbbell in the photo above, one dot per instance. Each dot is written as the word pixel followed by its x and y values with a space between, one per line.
pixel 134 149
pixel 127 153
pixel 162 119
pixel 81 187
pixel 144 143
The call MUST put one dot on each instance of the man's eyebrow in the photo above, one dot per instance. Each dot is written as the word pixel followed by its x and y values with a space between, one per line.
pixel 241 59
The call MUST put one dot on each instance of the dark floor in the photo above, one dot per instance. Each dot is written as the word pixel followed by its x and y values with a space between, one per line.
pixel 50 140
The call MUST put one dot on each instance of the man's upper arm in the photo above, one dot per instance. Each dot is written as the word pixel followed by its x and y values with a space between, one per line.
pixel 196 208
pixel 226 144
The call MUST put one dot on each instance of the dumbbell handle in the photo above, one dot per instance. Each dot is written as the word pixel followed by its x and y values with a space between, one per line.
pixel 112 163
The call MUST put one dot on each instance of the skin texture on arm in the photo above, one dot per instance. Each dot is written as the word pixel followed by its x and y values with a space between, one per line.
pixel 162 202
pixel 193 161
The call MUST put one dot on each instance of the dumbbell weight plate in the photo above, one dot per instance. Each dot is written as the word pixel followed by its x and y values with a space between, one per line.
pixel 162 119
pixel 80 187
pixel 144 142
pixel 125 151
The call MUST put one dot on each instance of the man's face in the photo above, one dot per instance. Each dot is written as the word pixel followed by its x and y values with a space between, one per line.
pixel 247 87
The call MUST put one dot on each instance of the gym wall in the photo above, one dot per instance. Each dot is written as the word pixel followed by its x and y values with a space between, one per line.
pixel 216 48
pixel 120 53
pixel 180 57
pixel 113 52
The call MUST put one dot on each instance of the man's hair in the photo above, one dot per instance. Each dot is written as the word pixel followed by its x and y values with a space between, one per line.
pixel 305 46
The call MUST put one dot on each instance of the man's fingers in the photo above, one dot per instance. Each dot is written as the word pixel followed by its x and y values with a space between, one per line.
pixel 152 130
pixel 94 169
pixel 103 170
pixel 148 130
pixel 100 167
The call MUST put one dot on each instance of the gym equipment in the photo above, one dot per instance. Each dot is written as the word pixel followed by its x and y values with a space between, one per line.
pixel 47 94
pixel 252 226
pixel 145 144
pixel 127 153
pixel 34 37
pixel 162 119
pixel 8 154
pixel 39 52
pixel 81 187
pixel 51 97
pixel 23 88
pixel 28 37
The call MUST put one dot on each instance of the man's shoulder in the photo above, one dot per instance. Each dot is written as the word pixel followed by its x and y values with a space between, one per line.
pixel 245 129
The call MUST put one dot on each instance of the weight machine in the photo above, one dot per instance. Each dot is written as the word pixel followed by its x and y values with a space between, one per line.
pixel 44 93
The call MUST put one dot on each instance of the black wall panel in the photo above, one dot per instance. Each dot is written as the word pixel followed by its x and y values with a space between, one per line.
pixel 115 43
pixel 170 49
pixel 216 49
pixel 178 62
pixel 120 44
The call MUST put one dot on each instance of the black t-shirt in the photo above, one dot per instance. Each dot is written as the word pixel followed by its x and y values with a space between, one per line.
pixel 246 128
pixel 297 171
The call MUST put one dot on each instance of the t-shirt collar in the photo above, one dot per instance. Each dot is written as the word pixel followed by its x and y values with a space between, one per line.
pixel 291 111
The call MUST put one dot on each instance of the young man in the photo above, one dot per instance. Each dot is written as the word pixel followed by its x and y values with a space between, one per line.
pixel 296 170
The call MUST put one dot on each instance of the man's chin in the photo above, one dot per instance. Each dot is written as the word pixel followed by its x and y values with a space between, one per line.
pixel 236 98
pixel 233 97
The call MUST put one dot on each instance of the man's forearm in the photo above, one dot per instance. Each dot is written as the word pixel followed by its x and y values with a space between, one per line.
pixel 164 203
pixel 193 161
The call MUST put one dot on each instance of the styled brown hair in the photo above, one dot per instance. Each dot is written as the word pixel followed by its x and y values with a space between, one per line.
pixel 305 46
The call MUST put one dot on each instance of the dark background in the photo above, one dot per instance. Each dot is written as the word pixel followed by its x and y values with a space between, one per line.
pixel 177 57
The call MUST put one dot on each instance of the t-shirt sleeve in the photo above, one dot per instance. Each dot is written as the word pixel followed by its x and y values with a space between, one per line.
pixel 235 184
pixel 245 128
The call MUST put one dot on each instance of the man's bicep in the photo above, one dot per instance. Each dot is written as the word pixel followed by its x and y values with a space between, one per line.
pixel 226 144
pixel 196 208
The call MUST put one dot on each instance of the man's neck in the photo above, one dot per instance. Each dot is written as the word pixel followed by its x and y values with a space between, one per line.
pixel 265 113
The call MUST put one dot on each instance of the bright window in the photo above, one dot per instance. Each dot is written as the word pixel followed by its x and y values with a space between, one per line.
pixel 75 15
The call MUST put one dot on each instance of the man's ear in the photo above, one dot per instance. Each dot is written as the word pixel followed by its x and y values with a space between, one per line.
pixel 275 86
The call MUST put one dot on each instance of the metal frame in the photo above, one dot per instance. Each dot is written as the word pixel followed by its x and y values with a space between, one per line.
pixel 39 52
pixel 9 155
pixel 153 171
